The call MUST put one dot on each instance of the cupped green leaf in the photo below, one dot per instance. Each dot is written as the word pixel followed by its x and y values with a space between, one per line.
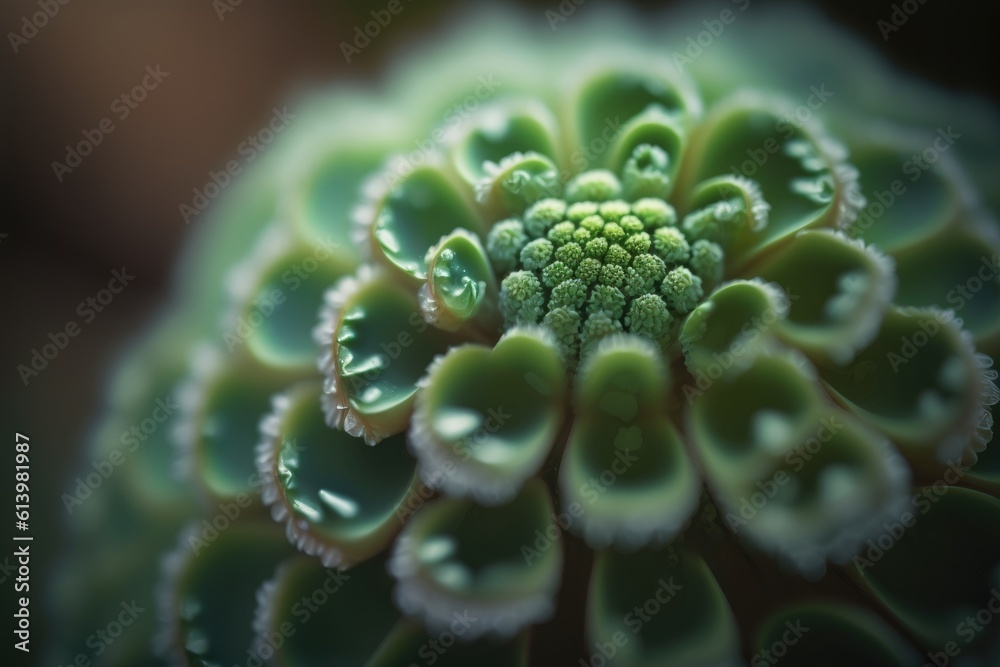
pixel 732 326
pixel 339 498
pixel 957 269
pixel 461 289
pixel 136 435
pixel 486 419
pixel 625 377
pixel 517 181
pixel 221 407
pixel 276 291
pixel 611 97
pixel 647 152
pixel 940 543
pixel 830 634
pixel 630 484
pixel 324 193
pixel 740 421
pixel 419 207
pixel 839 291
pixel 493 563
pixel 206 598
pixel 625 477
pixel 308 610
pixel 828 491
pixel 654 608
pixel 921 383
pixel 374 347
pixel 502 129
pixel 907 204
pixel 726 209
pixel 802 175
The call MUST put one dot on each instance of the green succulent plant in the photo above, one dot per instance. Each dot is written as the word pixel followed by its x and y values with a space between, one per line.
pixel 623 359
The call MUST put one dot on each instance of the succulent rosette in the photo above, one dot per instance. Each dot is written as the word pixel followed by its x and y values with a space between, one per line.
pixel 628 353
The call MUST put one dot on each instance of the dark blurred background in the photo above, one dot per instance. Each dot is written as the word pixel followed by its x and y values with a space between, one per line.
pixel 59 241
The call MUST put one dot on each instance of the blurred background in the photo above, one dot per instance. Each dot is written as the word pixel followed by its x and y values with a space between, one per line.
pixel 229 63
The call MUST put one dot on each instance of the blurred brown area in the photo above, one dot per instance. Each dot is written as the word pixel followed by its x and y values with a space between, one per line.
pixel 119 207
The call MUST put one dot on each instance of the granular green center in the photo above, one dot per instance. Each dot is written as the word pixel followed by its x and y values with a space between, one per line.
pixel 591 268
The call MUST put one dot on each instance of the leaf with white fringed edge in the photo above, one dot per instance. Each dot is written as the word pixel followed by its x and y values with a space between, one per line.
pixel 796 476
pixel 625 477
pixel 308 610
pixel 832 634
pixel 457 555
pixel 486 419
pixel 339 499
pixel 374 348
pixel 940 542
pixel 205 599
pixel 839 290
pixel 802 174
pixel 922 383
pixel 661 608
pixel 461 289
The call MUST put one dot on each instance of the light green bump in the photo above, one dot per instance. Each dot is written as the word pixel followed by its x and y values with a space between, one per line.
pixel 536 254
pixel 542 215
pixel 504 243
pixel 671 245
pixel 561 233
pixel 654 212
pixel 609 300
pixel 594 186
pixel 569 294
pixel 645 172
pixel 682 289
pixel 648 316
pixel 521 299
